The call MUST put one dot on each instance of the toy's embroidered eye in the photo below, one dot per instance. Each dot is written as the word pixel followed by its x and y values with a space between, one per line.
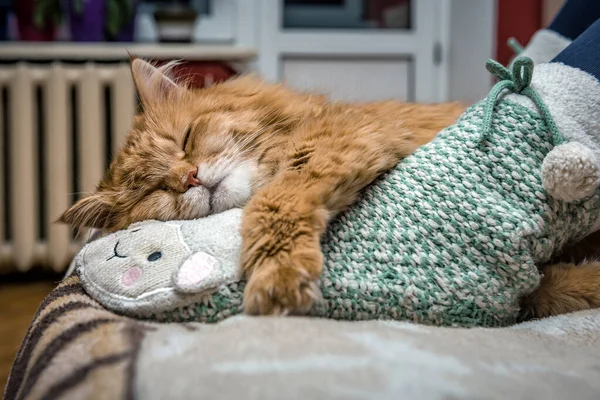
pixel 155 256
pixel 187 136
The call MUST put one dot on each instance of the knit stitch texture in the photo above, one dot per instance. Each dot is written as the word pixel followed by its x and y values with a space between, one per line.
pixel 451 236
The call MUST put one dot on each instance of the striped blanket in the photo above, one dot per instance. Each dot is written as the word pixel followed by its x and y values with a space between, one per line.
pixel 75 349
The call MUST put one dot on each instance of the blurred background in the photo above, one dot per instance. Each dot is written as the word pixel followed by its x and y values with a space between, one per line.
pixel 67 100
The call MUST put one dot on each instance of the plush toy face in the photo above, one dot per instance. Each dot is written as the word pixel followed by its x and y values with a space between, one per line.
pixel 155 263
pixel 137 260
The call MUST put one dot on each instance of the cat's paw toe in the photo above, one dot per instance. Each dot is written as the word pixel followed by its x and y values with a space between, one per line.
pixel 273 290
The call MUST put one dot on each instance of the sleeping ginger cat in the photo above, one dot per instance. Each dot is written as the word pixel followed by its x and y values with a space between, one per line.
pixel 292 160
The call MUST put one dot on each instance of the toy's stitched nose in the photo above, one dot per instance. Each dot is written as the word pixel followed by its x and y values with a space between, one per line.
pixel 192 180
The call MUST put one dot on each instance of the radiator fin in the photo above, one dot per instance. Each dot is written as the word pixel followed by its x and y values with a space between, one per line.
pixel 23 190
pixel 58 161
pixel 73 157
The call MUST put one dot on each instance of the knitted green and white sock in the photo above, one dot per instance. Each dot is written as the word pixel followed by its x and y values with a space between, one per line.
pixel 542 48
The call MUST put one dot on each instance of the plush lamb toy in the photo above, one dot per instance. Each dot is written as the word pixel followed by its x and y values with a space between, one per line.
pixel 451 236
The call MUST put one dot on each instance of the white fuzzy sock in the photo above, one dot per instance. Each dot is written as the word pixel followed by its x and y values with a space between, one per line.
pixel 573 99
pixel 544 46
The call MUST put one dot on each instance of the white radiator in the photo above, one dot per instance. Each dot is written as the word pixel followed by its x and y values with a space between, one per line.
pixel 59 123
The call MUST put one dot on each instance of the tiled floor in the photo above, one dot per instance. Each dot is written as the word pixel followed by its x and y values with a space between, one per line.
pixel 18 303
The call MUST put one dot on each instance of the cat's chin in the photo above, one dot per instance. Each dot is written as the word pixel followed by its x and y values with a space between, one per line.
pixel 227 196
pixel 232 191
pixel 195 203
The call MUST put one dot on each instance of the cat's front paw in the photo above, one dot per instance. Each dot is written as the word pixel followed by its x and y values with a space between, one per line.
pixel 277 288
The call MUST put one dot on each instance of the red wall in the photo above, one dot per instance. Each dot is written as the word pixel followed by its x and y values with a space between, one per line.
pixel 197 73
pixel 519 19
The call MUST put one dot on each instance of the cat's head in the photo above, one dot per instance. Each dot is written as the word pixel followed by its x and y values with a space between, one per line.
pixel 190 153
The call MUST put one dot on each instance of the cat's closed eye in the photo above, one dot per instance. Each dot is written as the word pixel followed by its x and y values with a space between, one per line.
pixel 187 137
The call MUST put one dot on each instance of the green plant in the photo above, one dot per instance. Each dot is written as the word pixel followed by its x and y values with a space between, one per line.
pixel 118 14
pixel 45 11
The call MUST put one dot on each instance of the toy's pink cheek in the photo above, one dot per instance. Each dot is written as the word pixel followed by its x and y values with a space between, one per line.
pixel 131 276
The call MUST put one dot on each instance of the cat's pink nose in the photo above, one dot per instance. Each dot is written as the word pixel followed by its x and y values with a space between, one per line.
pixel 192 179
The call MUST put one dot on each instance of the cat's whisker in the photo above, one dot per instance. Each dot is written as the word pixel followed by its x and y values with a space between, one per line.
pixel 274 129
pixel 245 147
pixel 230 140
pixel 226 160
pixel 256 143
pixel 249 138
pixel 266 137
pixel 230 160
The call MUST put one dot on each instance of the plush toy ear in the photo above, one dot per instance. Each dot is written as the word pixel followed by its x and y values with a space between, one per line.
pixel 193 276
pixel 154 85
pixel 202 272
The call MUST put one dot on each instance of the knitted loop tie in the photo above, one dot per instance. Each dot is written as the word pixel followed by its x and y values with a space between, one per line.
pixel 515 46
pixel 517 82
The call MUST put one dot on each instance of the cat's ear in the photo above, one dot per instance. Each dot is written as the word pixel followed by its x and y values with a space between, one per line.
pixel 95 211
pixel 154 85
